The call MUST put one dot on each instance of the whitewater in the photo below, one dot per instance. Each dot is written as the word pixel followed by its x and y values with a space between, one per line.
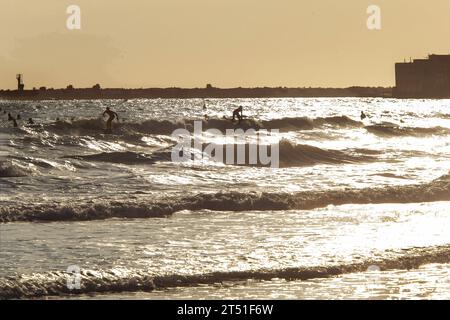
pixel 357 209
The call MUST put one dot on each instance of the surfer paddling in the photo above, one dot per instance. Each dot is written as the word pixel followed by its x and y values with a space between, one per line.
pixel 112 115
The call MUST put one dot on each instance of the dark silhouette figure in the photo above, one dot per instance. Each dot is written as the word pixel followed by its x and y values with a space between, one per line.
pixel 14 123
pixel 19 117
pixel 112 115
pixel 410 85
pixel 10 118
pixel 237 113
pixel 205 110
pixel 30 121
pixel 363 115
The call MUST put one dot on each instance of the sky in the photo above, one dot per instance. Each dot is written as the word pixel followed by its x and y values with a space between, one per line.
pixel 227 43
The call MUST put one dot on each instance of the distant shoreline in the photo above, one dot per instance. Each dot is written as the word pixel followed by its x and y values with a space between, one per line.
pixel 199 93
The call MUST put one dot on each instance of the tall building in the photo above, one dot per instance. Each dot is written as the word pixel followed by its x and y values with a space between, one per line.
pixel 423 78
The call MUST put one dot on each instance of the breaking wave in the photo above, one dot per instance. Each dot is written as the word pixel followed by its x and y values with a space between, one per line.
pixel 134 132
pixel 392 130
pixel 442 115
pixel 127 280
pixel 437 190
pixel 290 155
pixel 304 123
pixel 166 127
pixel 126 157
pixel 300 155
pixel 85 211
pixel 11 169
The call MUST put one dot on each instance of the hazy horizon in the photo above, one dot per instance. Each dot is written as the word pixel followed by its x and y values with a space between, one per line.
pixel 167 43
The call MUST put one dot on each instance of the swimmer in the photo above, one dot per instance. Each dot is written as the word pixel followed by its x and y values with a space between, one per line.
pixel 363 115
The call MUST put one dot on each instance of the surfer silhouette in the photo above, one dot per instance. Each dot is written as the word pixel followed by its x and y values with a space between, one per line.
pixel 237 113
pixel 10 117
pixel 30 121
pixel 15 123
pixel 363 115
pixel 112 115
pixel 205 110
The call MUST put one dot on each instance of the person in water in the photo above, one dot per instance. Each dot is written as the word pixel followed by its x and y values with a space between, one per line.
pixel 363 115
pixel 237 113
pixel 15 123
pixel 112 115
pixel 30 121
pixel 205 110
pixel 19 117
pixel 10 118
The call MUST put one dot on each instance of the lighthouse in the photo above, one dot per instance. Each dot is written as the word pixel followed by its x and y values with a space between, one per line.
pixel 20 84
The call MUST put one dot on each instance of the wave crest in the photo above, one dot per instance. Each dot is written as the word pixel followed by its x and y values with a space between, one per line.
pixel 290 155
pixel 166 127
pixel 126 157
pixel 116 280
pixel 437 190
pixel 392 130
pixel 11 169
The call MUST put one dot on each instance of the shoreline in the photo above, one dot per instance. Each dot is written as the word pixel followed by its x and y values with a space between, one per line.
pixel 194 93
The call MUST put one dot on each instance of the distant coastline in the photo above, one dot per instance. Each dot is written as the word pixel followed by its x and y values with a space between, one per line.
pixel 417 79
pixel 96 92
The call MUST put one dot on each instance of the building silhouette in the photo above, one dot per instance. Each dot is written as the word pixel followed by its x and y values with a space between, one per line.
pixel 423 78
pixel 20 85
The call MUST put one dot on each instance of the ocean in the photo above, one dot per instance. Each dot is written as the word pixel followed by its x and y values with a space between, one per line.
pixel 354 209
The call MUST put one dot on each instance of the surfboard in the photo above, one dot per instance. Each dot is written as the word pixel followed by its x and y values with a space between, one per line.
pixel 231 119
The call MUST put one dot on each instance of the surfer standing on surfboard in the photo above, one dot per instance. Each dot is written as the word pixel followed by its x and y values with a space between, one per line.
pixel 205 110
pixel 112 115
pixel 237 113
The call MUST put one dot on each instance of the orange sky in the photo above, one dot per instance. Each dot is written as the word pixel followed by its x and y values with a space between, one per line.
pixel 188 43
